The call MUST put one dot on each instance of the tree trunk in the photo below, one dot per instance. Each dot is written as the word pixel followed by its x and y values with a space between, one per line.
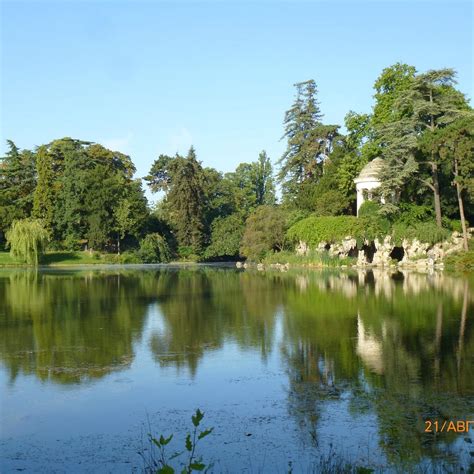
pixel 434 171
pixel 437 200
pixel 461 206
pixel 118 245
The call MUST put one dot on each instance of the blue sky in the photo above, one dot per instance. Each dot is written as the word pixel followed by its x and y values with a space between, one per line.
pixel 150 77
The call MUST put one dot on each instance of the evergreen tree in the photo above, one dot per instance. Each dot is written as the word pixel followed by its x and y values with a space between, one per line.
pixel 183 180
pixel 309 141
pixel 263 180
pixel 17 183
pixel 427 103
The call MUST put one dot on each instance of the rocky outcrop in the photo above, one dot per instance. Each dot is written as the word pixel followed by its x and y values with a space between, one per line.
pixel 385 253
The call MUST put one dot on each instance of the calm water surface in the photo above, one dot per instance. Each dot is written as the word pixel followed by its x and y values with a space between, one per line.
pixel 288 367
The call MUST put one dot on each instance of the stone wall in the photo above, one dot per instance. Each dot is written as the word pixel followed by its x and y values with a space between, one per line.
pixel 384 252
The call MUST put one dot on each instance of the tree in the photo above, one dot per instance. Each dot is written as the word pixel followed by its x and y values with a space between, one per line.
pixel 264 231
pixel 183 181
pixel 45 192
pixel 428 102
pixel 131 212
pixel 226 237
pixel 154 249
pixel 456 144
pixel 17 183
pixel 388 87
pixel 263 180
pixel 309 141
pixel 27 239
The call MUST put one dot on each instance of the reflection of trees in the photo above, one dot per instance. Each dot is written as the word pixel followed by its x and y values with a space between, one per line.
pixel 408 355
pixel 203 308
pixel 401 347
pixel 69 327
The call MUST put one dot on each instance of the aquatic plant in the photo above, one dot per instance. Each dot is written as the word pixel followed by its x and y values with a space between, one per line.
pixel 159 461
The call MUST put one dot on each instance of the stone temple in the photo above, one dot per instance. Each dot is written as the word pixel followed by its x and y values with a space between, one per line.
pixel 367 181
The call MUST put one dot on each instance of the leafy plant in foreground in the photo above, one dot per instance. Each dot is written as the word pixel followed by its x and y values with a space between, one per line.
pixel 193 462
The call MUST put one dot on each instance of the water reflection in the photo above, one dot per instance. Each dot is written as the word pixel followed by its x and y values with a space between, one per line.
pixel 398 345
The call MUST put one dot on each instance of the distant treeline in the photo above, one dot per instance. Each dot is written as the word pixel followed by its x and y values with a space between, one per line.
pixel 86 196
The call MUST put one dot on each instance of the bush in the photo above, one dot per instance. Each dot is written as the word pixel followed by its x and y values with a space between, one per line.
pixel 154 249
pixel 427 232
pixel 314 230
pixel 187 253
pixel 130 256
pixel 369 209
pixel 412 214
pixel 265 231
pixel 461 261
pixel 226 234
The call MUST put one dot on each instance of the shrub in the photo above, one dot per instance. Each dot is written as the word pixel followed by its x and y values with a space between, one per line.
pixel 427 232
pixel 369 209
pixel 314 230
pixel 226 234
pixel 265 231
pixel 187 253
pixel 130 256
pixel 412 214
pixel 154 249
pixel 461 261
pixel 27 239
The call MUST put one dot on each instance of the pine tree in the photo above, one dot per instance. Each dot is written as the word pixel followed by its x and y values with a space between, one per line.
pixel 309 141
pixel 17 183
pixel 183 180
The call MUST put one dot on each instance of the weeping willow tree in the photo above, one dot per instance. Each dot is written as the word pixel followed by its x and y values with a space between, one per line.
pixel 27 239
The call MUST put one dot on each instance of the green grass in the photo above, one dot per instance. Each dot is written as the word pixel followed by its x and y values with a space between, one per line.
pixel 6 259
pixel 462 261
pixel 61 258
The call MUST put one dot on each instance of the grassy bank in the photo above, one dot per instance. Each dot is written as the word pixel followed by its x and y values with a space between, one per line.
pixel 62 258
pixel 312 259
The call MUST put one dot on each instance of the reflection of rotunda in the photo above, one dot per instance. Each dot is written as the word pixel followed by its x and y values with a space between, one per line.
pixel 367 181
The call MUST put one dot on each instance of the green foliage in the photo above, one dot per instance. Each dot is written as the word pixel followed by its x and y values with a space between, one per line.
pixel 412 214
pixel 314 230
pixel 17 183
pixel 226 236
pixel 461 261
pixel 154 249
pixel 183 180
pixel 27 239
pixel 80 187
pixel 312 259
pixel 159 461
pixel 369 209
pixel 309 141
pixel 427 232
pixel 264 231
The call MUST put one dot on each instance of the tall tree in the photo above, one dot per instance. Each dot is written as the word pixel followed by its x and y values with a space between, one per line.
pixel 456 145
pixel 17 183
pixel 427 102
pixel 263 179
pixel 183 180
pixel 309 141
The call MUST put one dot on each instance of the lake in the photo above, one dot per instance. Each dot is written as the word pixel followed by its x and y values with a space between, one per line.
pixel 307 370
